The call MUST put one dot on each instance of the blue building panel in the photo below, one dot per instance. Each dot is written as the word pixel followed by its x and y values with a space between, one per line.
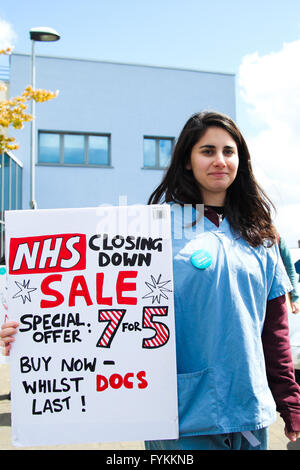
pixel 124 101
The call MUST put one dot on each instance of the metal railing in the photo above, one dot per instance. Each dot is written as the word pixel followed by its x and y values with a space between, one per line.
pixel 10 191
pixel 4 73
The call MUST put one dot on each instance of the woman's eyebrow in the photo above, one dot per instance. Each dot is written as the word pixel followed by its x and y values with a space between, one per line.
pixel 213 146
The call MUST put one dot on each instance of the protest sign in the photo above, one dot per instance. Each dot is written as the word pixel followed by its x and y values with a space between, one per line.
pixel 94 357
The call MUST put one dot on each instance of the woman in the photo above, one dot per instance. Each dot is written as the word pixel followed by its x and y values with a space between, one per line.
pixel 233 352
pixel 229 286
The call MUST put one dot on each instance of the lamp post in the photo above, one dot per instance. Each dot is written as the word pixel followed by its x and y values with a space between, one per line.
pixel 43 34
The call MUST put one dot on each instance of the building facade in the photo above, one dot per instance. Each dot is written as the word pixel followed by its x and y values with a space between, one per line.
pixel 107 138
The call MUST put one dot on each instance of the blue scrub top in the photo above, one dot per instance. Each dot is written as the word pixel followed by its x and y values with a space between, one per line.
pixel 219 317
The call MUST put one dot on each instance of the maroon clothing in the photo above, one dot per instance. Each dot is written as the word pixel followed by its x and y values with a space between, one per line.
pixel 279 363
pixel 277 351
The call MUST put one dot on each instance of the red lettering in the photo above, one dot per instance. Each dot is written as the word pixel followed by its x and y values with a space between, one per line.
pixel 141 376
pixel 116 381
pixel 127 383
pixel 126 287
pixel 76 292
pixel 102 383
pixel 99 289
pixel 46 290
pixel 79 288
pixel 47 253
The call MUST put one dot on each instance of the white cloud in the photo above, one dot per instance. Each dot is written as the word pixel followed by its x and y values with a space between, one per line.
pixel 288 223
pixel 270 86
pixel 7 35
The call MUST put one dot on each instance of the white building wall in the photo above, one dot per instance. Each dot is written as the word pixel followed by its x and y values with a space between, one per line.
pixel 127 101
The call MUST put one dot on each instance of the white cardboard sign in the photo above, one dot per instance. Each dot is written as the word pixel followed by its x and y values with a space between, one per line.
pixel 94 357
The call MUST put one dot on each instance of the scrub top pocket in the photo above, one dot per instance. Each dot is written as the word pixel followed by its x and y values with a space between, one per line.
pixel 197 405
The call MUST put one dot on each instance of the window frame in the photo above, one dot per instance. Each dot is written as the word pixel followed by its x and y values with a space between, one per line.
pixel 157 151
pixel 86 136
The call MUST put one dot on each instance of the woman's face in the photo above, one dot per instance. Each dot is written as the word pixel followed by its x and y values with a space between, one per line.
pixel 214 162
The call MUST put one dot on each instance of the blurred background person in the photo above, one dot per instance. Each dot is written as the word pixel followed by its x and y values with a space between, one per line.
pixel 286 256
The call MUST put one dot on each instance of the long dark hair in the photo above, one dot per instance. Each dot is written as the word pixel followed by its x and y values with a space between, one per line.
pixel 247 207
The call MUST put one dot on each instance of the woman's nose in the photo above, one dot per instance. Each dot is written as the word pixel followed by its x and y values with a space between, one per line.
pixel 219 159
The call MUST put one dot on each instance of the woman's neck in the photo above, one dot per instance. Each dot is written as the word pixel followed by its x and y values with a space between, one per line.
pixel 213 199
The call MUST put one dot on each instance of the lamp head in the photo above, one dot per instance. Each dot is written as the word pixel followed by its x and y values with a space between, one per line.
pixel 43 33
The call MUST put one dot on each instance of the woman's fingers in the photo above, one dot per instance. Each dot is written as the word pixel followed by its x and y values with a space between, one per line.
pixel 7 336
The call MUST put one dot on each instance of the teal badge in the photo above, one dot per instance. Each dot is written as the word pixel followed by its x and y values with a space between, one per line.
pixel 201 259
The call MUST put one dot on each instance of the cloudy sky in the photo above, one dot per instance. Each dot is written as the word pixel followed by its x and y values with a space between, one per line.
pixel 257 40
pixel 269 86
pixel 7 34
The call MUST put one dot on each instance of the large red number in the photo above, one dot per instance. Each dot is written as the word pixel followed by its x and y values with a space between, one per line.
pixel 114 318
pixel 162 332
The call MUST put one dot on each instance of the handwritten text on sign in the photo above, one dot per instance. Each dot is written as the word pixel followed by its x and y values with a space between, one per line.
pixel 96 328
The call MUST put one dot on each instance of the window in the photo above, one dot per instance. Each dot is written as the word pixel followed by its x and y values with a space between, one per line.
pixel 49 148
pixel 74 148
pixel 157 152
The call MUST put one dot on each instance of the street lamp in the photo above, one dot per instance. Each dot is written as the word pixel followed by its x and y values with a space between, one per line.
pixel 43 34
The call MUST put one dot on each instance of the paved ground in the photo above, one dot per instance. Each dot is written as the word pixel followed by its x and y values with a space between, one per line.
pixel 278 441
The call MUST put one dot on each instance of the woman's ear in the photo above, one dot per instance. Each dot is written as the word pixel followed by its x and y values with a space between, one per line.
pixel 188 166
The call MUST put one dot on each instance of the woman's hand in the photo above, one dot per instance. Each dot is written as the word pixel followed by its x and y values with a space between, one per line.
pixel 295 307
pixel 7 333
pixel 292 436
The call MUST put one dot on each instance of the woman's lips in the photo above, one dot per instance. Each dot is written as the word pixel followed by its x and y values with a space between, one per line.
pixel 218 173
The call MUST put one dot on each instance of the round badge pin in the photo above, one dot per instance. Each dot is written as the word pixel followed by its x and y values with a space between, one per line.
pixel 201 259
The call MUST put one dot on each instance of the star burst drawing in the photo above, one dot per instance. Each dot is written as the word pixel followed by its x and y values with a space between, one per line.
pixel 24 291
pixel 157 289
